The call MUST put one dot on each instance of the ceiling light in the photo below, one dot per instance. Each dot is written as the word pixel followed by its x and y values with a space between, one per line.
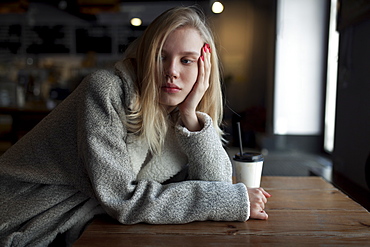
pixel 136 22
pixel 217 7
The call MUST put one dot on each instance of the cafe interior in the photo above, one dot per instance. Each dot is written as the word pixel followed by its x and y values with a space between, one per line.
pixel 295 74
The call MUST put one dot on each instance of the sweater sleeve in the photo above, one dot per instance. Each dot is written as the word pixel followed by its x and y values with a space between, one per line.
pixel 208 159
pixel 102 150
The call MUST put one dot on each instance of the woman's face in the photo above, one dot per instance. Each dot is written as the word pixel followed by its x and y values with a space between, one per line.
pixel 180 54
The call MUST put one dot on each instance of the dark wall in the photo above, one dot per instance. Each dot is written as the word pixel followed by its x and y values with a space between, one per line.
pixel 352 133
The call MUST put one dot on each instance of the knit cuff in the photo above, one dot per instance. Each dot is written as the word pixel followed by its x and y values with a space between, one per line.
pixel 203 118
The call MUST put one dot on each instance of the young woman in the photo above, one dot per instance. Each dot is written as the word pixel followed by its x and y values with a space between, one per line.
pixel 142 144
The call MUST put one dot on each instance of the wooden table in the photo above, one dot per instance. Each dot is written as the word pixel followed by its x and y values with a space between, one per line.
pixel 302 211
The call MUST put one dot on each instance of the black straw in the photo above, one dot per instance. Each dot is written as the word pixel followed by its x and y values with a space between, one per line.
pixel 240 139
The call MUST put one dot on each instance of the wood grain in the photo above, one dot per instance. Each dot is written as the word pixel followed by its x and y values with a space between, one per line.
pixel 302 211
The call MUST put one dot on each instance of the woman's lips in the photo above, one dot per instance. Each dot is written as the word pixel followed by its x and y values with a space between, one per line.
pixel 170 88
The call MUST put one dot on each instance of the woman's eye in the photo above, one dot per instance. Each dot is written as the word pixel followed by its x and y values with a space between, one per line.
pixel 161 57
pixel 186 61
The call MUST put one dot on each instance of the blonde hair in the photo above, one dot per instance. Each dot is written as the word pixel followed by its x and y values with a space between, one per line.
pixel 148 118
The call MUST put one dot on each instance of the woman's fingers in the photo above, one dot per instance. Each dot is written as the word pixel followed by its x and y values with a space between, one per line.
pixel 258 199
pixel 207 63
pixel 204 70
pixel 188 107
pixel 266 194
pixel 258 214
pixel 201 85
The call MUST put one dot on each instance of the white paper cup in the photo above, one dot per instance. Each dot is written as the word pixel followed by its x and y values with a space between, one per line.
pixel 248 168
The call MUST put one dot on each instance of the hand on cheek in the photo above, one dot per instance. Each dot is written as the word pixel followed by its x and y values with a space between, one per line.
pixel 188 107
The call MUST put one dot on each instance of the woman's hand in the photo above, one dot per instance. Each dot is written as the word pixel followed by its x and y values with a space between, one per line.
pixel 258 199
pixel 188 107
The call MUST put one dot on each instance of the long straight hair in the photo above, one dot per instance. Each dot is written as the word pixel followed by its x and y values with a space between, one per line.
pixel 148 118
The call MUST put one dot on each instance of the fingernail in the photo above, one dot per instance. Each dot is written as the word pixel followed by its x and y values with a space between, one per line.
pixel 208 47
pixel 201 57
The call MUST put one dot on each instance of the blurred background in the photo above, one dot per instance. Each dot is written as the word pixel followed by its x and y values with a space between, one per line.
pixel 295 73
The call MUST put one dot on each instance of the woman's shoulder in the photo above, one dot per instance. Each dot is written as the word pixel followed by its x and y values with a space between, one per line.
pixel 101 80
pixel 102 83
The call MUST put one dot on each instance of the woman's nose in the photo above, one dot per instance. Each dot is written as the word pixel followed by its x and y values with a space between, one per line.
pixel 171 69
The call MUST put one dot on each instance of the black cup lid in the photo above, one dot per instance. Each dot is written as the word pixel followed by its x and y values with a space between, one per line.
pixel 249 156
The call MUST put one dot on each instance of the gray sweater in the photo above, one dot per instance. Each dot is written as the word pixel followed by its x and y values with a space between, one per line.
pixel 80 161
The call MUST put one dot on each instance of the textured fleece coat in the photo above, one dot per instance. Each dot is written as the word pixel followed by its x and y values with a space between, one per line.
pixel 80 161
